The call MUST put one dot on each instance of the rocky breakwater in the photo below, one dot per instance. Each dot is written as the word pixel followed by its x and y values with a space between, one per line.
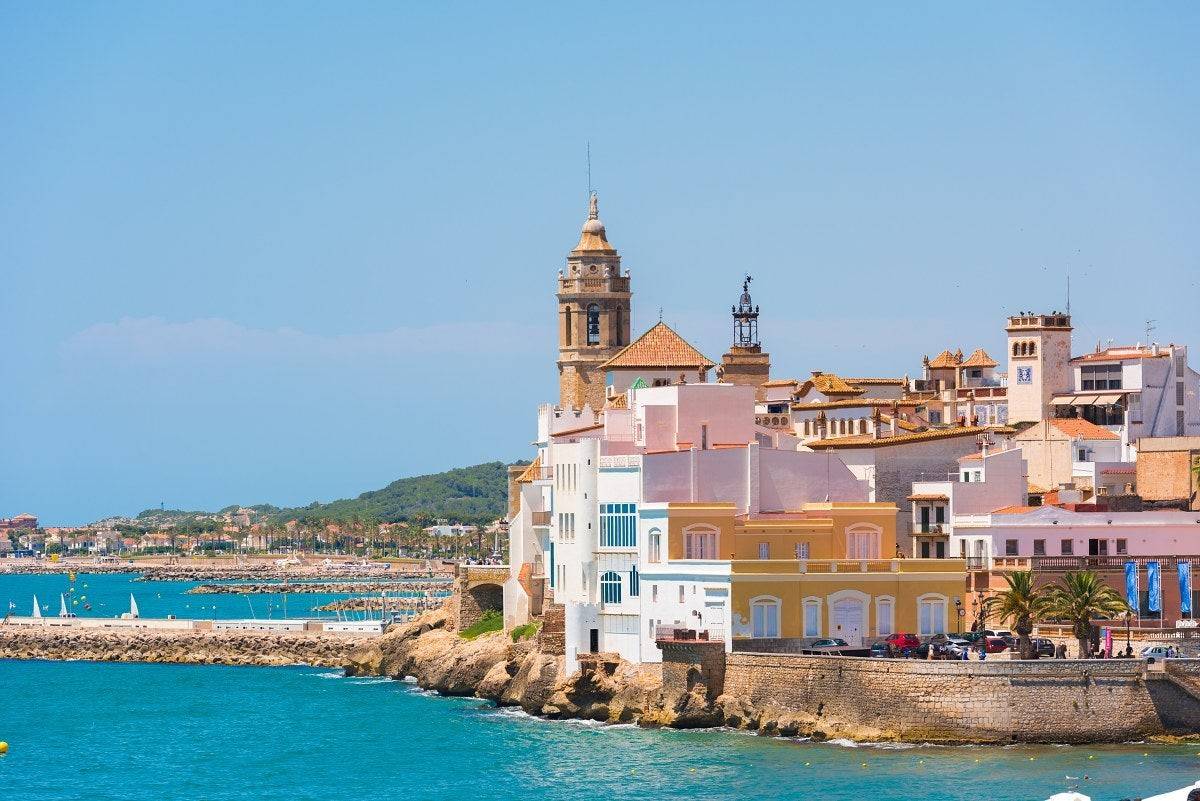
pixel 178 646
pixel 328 587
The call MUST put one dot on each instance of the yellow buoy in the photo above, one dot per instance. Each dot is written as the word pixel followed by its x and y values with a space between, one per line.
pixel 3 747
pixel 1091 756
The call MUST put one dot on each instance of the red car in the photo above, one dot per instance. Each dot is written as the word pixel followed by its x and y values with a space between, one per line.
pixel 903 643
pixel 995 645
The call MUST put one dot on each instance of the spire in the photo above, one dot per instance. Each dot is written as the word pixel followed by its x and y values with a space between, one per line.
pixel 593 238
pixel 745 319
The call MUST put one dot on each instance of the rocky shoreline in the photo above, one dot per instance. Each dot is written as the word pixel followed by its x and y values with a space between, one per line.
pixel 218 572
pixel 178 647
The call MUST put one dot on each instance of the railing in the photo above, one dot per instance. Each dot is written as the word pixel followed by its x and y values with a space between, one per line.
pixel 602 284
pixel 679 633
pixel 976 562
pixel 1115 563
pixel 930 528
pixel 540 518
pixel 825 566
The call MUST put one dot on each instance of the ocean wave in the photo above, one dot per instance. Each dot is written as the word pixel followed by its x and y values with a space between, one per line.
pixel 376 680
pixel 330 675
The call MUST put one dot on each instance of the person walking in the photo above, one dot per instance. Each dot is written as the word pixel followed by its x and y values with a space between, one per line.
pixel 1060 651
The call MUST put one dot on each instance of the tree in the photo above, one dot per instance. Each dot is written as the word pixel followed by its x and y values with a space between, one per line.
pixel 1020 605
pixel 1079 597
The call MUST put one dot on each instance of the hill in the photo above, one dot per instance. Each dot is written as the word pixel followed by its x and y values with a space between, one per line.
pixel 476 494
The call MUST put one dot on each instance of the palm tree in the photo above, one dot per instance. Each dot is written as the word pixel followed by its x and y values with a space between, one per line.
pixel 1079 597
pixel 1020 605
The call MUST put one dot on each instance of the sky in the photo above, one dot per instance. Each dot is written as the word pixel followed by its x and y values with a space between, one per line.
pixel 253 252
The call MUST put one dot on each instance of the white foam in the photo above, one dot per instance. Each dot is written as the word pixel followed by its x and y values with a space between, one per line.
pixel 331 675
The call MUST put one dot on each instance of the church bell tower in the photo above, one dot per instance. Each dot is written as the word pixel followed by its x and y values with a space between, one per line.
pixel 745 363
pixel 593 315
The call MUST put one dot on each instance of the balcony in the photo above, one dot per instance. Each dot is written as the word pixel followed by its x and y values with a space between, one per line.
pixel 751 567
pixel 540 518
pixel 618 284
pixel 976 563
pixel 678 633
pixel 1103 564
pixel 931 528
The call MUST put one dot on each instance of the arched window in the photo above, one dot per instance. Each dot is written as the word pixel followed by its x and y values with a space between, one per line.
pixel 655 552
pixel 764 617
pixel 885 615
pixel 812 617
pixel 593 324
pixel 1016 349
pixel 931 614
pixel 634 582
pixel 1032 348
pixel 862 542
pixel 610 588
pixel 568 333
pixel 700 542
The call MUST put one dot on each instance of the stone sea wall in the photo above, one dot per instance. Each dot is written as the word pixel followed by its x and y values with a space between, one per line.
pixel 698 685
pixel 192 647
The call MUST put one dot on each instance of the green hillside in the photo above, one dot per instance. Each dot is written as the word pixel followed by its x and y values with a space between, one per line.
pixel 476 494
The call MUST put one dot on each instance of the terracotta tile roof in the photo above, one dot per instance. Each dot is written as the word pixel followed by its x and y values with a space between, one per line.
pixel 780 382
pixel 593 238
pixel 855 403
pixel 617 402
pixel 1119 353
pixel 579 430
pixel 1014 510
pixel 971 457
pixel 867 441
pixel 1124 471
pixel 928 497
pixel 945 360
pixel 828 384
pixel 979 359
pixel 1078 428
pixel 531 473
pixel 897 382
pixel 659 348
pixel 901 424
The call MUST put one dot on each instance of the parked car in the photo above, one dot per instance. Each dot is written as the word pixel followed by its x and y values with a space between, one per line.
pixel 957 645
pixel 829 642
pixel 996 645
pixel 879 649
pixel 904 643
pixel 1043 647
pixel 1154 652
pixel 941 650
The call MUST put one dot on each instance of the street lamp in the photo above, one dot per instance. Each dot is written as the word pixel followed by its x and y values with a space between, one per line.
pixel 1128 645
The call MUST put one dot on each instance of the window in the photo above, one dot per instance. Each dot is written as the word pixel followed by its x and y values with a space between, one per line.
pixel 1100 376
pixel 593 324
pixel 610 588
pixel 764 550
pixel 680 593
pixel 939 514
pixel 885 616
pixel 654 593
pixel 1122 547
pixel 812 618
pixel 931 615
pixel 700 542
pixel 704 437
pixel 1039 547
pixel 552 565
pixel 1010 547
pixel 618 525
pixel 1081 455
pixel 764 617
pixel 634 582
pixel 655 545
pixel 802 550
pixel 862 544
pixel 1068 547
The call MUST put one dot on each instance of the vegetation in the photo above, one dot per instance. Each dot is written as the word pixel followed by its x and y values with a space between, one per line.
pixel 528 630
pixel 473 495
pixel 1019 605
pixel 491 621
pixel 1079 597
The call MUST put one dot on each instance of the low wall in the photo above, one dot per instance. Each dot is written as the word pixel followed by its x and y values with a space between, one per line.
pixel 1034 701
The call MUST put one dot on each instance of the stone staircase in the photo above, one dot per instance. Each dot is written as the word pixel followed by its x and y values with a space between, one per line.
pixel 1177 705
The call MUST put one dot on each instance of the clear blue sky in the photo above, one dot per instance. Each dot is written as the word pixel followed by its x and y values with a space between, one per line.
pixel 277 253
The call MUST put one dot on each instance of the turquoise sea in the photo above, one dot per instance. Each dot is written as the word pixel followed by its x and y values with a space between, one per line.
pixel 108 595
pixel 96 731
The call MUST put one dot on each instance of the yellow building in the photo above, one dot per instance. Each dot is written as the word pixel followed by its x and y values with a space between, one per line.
pixel 823 571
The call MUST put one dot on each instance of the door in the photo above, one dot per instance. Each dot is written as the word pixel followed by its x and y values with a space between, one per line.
pixel 940 549
pixel 594 640
pixel 848 620
pixel 924 519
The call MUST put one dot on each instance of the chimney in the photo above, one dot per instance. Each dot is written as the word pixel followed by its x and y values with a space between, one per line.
pixel 876 423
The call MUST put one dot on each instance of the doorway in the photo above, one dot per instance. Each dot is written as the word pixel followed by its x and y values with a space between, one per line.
pixel 594 640
pixel 848 620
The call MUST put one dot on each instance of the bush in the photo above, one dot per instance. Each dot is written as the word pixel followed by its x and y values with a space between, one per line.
pixel 491 621
pixel 528 630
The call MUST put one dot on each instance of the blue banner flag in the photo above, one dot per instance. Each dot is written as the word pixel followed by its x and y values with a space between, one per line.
pixel 1185 588
pixel 1131 585
pixel 1153 587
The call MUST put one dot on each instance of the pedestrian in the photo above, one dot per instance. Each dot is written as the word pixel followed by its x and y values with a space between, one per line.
pixel 1060 651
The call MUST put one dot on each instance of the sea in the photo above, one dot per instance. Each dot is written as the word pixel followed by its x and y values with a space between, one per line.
pixel 98 731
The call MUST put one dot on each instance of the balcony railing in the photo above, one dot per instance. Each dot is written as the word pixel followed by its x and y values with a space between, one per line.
pixel 821 566
pixel 540 518
pixel 679 633
pixel 976 562
pixel 1114 563
pixel 929 528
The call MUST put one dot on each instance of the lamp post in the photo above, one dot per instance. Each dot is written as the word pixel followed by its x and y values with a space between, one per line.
pixel 1128 645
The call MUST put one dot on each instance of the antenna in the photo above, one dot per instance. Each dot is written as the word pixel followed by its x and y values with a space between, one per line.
pixel 660 314
pixel 1149 327
pixel 589 167
pixel 1068 289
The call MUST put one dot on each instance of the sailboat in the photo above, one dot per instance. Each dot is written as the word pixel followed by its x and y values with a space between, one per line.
pixel 133 610
pixel 62 610
pixel 37 608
